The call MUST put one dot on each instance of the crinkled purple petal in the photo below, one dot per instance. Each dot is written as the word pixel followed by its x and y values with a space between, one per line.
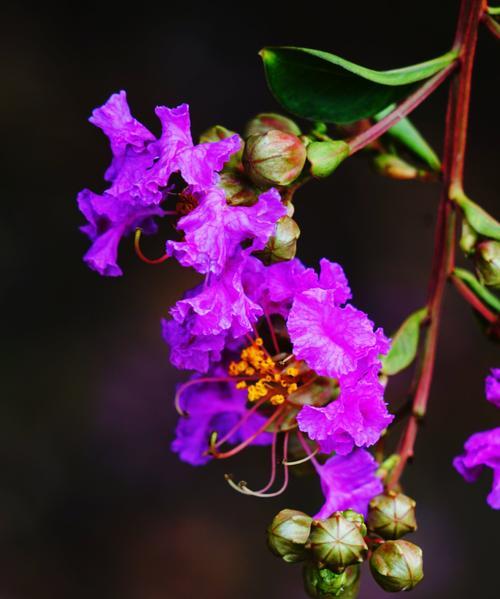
pixel 348 482
pixel 189 351
pixel 213 407
pixel 214 230
pixel 332 340
pixel 108 221
pixel 356 418
pixel 220 305
pixel 482 449
pixel 332 277
pixel 492 387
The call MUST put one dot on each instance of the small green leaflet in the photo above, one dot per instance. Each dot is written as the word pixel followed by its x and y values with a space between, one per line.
pixel 324 87
pixel 487 297
pixel 404 344
pixel 478 218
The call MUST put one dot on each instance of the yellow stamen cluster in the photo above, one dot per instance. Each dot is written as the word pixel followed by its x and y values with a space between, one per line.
pixel 275 385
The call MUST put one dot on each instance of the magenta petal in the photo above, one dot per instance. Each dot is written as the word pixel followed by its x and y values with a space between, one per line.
pixel 492 387
pixel 348 482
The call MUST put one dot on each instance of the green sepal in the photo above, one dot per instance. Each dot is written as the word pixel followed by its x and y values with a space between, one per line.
pixel 404 344
pixel 479 219
pixel 325 156
pixel 409 136
pixel 487 297
pixel 324 87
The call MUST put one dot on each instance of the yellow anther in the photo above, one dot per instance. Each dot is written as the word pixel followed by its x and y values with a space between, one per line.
pixel 259 341
pixel 278 399
pixel 292 371
pixel 241 385
pixel 292 388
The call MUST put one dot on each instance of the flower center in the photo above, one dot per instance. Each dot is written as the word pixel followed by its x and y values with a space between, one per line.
pixel 186 204
pixel 272 383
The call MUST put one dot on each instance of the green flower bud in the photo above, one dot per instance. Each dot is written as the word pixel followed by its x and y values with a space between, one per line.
pixel 487 261
pixel 394 167
pixel 267 121
pixel 337 542
pixel 397 565
pixel 288 534
pixel 392 515
pixel 218 132
pixel 357 518
pixel 325 156
pixel 238 190
pixel 468 238
pixel 283 244
pixel 274 158
pixel 322 583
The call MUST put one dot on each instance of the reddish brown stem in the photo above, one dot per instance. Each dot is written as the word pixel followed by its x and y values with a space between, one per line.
pixel 444 245
pixel 370 135
pixel 472 299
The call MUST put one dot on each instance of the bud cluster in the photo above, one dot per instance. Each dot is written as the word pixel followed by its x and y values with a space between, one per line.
pixel 333 549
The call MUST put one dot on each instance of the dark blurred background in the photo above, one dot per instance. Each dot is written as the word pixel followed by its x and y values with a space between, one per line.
pixel 92 501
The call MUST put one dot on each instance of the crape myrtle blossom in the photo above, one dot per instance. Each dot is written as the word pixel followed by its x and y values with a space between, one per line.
pixel 483 449
pixel 220 320
pixel 139 175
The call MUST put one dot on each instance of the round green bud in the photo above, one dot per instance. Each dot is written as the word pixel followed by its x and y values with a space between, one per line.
pixel 468 238
pixel 391 515
pixel 397 565
pixel 357 518
pixel 218 132
pixel 267 121
pixel 487 260
pixel 283 244
pixel 325 156
pixel 323 583
pixel 274 158
pixel 337 542
pixel 288 534
pixel 237 189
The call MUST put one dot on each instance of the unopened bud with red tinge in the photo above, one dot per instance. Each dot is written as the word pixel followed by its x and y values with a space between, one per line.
pixel 238 190
pixel 391 515
pixel 274 158
pixel 267 121
pixel 283 244
pixel 288 534
pixel 397 565
pixel 218 132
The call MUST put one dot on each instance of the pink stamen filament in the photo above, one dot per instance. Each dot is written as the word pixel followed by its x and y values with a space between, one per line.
pixel 308 450
pixel 304 459
pixel 241 422
pixel 272 331
pixel 138 251
pixel 222 456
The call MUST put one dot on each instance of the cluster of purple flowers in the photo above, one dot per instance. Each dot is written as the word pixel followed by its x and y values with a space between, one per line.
pixel 276 350
pixel 483 449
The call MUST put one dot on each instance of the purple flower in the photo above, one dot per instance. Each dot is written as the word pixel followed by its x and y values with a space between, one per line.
pixel 492 387
pixel 214 407
pixel 482 449
pixel 332 340
pixel 356 418
pixel 348 482
pixel 214 230
pixel 139 173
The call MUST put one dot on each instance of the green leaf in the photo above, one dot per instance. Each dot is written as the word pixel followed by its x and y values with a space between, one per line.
pixel 479 219
pixel 488 298
pixel 323 87
pixel 404 344
pixel 410 137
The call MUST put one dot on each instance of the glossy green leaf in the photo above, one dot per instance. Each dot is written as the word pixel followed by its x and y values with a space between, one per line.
pixel 488 298
pixel 324 87
pixel 479 219
pixel 410 137
pixel 404 344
